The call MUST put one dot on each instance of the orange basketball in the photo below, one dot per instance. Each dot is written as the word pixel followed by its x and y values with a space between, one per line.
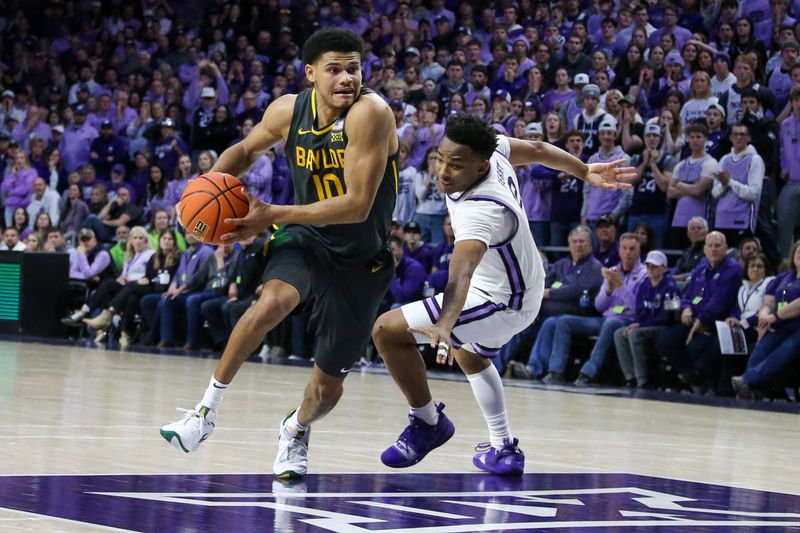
pixel 207 201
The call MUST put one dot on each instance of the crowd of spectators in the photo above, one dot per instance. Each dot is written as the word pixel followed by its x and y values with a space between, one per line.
pixel 108 109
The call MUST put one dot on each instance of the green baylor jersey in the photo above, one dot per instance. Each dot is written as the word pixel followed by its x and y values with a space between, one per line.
pixel 316 160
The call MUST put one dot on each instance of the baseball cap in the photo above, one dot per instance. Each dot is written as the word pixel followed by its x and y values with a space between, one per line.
pixel 119 167
pixel 581 79
pixel 85 234
pixel 396 103
pixel 534 128
pixel 376 64
pixel 3 136
pixel 606 220
pixel 500 93
pixel 412 51
pixel 167 123
pixel 629 99
pixel 466 31
pixel 55 89
pixel 8 93
pixel 608 124
pixel 440 18
pixel 412 227
pixel 591 90
pixel 208 92
pixel 653 128
pixel 723 57
pixel 718 108
pixel 59 128
pixel 656 258
pixel 674 58
pixel 285 11
pixel 106 124
pixel 81 109
pixel 427 44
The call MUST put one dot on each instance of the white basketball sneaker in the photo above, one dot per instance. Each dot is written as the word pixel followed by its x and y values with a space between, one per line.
pixel 292 459
pixel 187 433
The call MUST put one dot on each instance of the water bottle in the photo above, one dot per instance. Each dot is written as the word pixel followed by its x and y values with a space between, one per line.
pixel 163 277
pixel 428 291
pixel 585 303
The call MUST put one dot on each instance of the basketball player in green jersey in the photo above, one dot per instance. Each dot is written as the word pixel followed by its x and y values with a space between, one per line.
pixel 331 249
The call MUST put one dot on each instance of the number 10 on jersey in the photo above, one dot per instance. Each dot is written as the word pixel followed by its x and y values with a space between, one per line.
pixel 328 185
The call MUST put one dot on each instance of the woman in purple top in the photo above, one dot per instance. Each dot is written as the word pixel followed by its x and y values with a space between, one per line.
pixel 556 97
pixel 183 172
pixel 17 186
pixel 779 328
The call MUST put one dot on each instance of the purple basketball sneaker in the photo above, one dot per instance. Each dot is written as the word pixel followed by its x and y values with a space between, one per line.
pixel 417 440
pixel 510 461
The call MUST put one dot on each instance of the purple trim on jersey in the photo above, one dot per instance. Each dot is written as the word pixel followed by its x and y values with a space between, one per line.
pixel 514 276
pixel 484 351
pixel 437 311
pixel 481 198
pixel 480 312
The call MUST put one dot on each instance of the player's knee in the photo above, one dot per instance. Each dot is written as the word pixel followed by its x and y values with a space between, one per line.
pixel 273 305
pixel 384 329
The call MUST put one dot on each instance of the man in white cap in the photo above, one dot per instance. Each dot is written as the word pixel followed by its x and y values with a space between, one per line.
pixel 202 118
pixel 534 131
pixel 589 120
pixel 654 172
pixel 605 202
pixel 719 142
pixel 652 295
pixel 573 107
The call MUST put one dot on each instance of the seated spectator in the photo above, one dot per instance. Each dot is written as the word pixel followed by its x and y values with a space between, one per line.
pixel 778 349
pixel 409 276
pixel 570 279
pixel 441 258
pixel 210 280
pixel 650 319
pixel 17 185
pixel 160 223
pixel 616 301
pixel 696 232
pixel 44 200
pixel 90 263
pixel 34 242
pixel 22 222
pixel 11 241
pixel 137 254
pixel 117 212
pixel 120 246
pixel 223 312
pixel 55 242
pixel 691 181
pixel 159 270
pixel 747 246
pixel 42 225
pixel 606 249
pixel 152 304
pixel 788 205
pixel 416 248
pixel 709 297
pixel 737 187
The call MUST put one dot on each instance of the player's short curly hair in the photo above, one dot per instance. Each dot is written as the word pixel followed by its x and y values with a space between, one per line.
pixel 331 40
pixel 473 132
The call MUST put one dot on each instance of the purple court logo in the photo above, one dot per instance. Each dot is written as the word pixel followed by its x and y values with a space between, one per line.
pixel 357 503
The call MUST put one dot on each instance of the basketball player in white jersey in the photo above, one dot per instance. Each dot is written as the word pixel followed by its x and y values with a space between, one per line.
pixel 494 290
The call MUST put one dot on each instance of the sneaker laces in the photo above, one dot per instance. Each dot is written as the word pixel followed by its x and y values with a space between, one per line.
pixel 189 413
pixel 406 438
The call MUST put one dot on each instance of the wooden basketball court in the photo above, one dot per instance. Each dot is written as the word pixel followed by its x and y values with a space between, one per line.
pixel 74 416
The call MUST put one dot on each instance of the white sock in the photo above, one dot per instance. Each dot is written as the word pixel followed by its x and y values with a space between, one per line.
pixel 427 413
pixel 488 390
pixel 292 428
pixel 214 392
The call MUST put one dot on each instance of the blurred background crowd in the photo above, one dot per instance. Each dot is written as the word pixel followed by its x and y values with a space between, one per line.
pixel 109 108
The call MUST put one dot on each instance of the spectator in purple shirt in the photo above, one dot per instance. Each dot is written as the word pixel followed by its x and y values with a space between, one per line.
pixel 169 148
pixel 709 297
pixel 409 276
pixel 32 127
pixel 17 186
pixel 76 141
pixel 651 318
pixel 779 331
pixel 415 248
pixel 789 199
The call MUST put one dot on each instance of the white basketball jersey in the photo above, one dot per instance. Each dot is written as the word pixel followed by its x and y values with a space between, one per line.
pixel 491 211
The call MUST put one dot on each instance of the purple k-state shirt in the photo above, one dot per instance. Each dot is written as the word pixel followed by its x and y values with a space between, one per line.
pixel 621 303
pixel 712 291
pixel 536 184
pixel 786 289
pixel 190 262
pixel 600 202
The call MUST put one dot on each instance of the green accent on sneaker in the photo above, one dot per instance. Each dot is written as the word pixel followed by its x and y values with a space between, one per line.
pixel 169 435
pixel 204 410
pixel 289 474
